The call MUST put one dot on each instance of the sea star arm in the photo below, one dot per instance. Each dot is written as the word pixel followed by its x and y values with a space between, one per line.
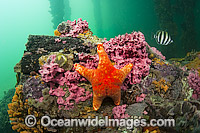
pixel 104 61
pixel 97 99
pixel 117 96
pixel 126 70
pixel 87 73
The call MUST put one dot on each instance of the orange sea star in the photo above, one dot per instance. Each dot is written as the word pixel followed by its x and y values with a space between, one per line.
pixel 106 80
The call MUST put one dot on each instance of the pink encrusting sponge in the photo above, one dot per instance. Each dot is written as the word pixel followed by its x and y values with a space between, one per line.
pixel 74 28
pixel 56 76
pixel 194 83
pixel 129 48
pixel 119 112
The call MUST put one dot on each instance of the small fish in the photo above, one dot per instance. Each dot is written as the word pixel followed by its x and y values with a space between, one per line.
pixel 163 38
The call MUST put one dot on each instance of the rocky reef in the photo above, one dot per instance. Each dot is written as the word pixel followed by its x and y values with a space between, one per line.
pixel 48 84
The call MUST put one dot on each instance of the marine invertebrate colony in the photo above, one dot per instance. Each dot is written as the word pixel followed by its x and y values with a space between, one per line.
pixel 33 87
pixel 18 110
pixel 195 64
pixel 80 29
pixel 161 85
pixel 155 51
pixel 194 83
pixel 72 28
pixel 106 79
pixel 50 70
pixel 129 48
pixel 60 80
pixel 119 112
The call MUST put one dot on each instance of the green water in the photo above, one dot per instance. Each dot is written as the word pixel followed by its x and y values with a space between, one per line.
pixel 107 18
pixel 18 20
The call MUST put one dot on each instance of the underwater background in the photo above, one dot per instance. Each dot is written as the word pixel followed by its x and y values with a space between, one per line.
pixel 106 18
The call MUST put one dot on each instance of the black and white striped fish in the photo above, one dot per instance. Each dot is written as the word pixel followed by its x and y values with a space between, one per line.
pixel 163 38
